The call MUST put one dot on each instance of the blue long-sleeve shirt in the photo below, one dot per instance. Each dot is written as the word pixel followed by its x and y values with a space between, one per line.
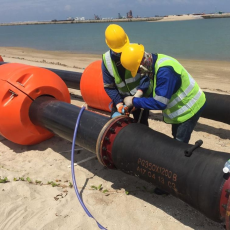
pixel 167 83
pixel 112 91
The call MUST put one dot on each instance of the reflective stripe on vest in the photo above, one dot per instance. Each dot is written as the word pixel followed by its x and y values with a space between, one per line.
pixel 187 100
pixel 131 83
pixel 109 63
pixel 130 80
pixel 185 107
pixel 164 59
pixel 161 99
pixel 186 91
pixel 183 94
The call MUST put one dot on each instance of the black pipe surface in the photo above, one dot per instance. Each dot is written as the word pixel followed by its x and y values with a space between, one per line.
pixel 72 79
pixel 60 118
pixel 160 160
pixel 217 107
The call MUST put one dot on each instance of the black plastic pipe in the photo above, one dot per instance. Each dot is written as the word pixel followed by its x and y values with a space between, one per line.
pixel 140 151
pixel 72 79
pixel 217 107
pixel 60 118
pixel 161 160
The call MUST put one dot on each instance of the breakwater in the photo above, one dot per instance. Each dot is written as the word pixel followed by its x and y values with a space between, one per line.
pixel 212 16
pixel 81 21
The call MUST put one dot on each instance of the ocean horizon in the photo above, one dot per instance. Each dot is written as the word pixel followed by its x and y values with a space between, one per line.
pixel 207 39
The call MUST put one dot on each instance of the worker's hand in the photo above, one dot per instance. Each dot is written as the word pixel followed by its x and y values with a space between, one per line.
pixel 116 114
pixel 123 109
pixel 139 93
pixel 129 101
pixel 120 107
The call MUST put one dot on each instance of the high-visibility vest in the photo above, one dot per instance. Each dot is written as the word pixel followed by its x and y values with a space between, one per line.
pixel 188 99
pixel 130 84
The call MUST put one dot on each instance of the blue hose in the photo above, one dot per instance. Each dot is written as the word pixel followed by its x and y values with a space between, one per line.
pixel 73 172
pixel 110 105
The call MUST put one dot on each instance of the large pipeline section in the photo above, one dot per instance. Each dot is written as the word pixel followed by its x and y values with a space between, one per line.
pixel 197 180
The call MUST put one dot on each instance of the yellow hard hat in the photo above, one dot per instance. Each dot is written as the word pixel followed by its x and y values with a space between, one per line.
pixel 131 57
pixel 116 38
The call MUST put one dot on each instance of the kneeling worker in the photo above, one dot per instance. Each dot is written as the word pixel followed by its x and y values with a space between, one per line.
pixel 118 81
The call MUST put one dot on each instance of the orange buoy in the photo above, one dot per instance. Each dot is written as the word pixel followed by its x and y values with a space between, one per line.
pixel 92 89
pixel 1 59
pixel 19 85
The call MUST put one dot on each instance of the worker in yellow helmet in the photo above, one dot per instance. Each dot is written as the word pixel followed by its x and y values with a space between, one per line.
pixel 118 82
pixel 175 92
pixel 116 38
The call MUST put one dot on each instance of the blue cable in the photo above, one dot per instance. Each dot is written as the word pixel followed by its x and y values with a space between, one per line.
pixel 73 172
pixel 110 105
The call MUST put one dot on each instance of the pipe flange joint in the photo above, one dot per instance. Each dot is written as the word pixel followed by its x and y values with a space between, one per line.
pixel 106 138
pixel 225 202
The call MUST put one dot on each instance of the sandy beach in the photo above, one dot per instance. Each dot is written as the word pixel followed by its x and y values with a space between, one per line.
pixel 184 17
pixel 39 194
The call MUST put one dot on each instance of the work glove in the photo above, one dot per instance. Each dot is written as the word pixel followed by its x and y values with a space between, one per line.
pixel 123 109
pixel 139 93
pixel 116 114
pixel 129 101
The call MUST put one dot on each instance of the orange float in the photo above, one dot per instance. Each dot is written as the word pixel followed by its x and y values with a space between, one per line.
pixel 92 89
pixel 19 85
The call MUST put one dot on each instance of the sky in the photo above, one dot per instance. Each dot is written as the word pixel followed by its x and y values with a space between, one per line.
pixel 46 10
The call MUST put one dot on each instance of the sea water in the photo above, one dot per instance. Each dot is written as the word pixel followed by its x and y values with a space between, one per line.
pixel 195 39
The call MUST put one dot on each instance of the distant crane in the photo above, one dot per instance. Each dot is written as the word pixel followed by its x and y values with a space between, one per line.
pixel 96 17
pixel 130 14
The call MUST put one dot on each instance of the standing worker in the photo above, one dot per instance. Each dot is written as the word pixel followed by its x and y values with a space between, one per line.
pixel 175 92
pixel 118 82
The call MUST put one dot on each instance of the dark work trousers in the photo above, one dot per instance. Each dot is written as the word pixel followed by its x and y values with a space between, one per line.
pixel 144 116
pixel 182 132
pixel 136 115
